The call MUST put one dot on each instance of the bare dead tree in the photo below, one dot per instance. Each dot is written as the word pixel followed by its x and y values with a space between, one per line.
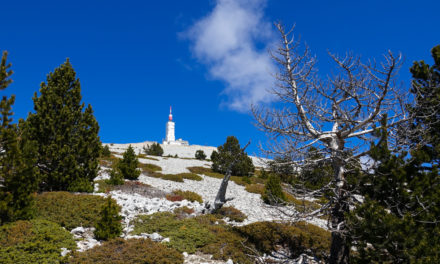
pixel 220 198
pixel 335 115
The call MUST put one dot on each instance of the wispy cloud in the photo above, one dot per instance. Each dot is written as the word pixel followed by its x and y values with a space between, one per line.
pixel 232 42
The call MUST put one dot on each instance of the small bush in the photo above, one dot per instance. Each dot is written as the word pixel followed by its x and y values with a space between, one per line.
pixel 130 251
pixel 129 164
pixel 174 197
pixel 69 210
pixel 116 177
pixel 188 195
pixel 35 241
pixel 200 155
pixel 154 149
pixel 273 193
pixel 104 186
pixel 232 213
pixel 183 212
pixel 109 226
pixel 299 238
pixel 106 151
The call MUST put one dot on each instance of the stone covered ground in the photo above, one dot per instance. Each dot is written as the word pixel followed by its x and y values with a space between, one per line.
pixel 136 201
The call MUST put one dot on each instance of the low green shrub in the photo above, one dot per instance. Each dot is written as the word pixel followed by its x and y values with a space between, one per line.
pixel 109 225
pixel 183 212
pixel 69 210
pixel 191 176
pixel 203 233
pixel 255 188
pixel 104 186
pixel 130 251
pixel 188 195
pixel 35 241
pixel 232 213
pixel 299 238
pixel 149 168
pixel 185 235
pixel 172 177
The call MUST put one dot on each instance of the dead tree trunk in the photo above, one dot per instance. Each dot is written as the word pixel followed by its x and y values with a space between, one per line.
pixel 220 198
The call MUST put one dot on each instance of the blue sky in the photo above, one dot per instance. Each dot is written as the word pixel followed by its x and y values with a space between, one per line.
pixel 208 59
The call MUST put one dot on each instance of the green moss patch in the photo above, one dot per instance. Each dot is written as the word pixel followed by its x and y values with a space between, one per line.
pixel 130 251
pixel 35 241
pixel 69 210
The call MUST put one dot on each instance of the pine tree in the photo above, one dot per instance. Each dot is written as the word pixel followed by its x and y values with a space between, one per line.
pixel 106 151
pixel 273 192
pixel 200 155
pixel 128 166
pixel 17 160
pixel 67 136
pixel 154 149
pixel 109 226
pixel 229 152
pixel 397 222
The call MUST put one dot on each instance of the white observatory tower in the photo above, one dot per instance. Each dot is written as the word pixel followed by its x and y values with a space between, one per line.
pixel 170 129
pixel 170 138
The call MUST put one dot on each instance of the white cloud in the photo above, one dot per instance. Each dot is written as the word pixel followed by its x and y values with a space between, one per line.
pixel 232 41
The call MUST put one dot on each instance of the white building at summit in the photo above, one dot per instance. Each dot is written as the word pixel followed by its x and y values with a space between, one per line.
pixel 170 138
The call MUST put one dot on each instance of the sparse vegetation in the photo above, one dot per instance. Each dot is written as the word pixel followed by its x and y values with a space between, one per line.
pixel 298 238
pixel 69 210
pixel 188 195
pixel 232 213
pixel 35 241
pixel 154 149
pixel 149 168
pixel 130 251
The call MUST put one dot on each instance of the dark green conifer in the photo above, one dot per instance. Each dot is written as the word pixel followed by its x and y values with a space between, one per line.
pixel 154 149
pixel 18 177
pixel 128 166
pixel 273 192
pixel 67 136
pixel 200 155
pixel 109 226
pixel 397 222
pixel 229 152
pixel 106 151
